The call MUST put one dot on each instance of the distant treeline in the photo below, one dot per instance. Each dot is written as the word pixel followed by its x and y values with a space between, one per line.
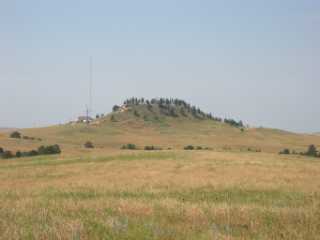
pixel 42 150
pixel 311 152
pixel 18 135
pixel 175 107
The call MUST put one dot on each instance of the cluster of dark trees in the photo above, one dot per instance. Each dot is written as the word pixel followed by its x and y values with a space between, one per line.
pixel 15 134
pixel 18 135
pixel 191 147
pixel 152 148
pixel 99 116
pixel 234 123
pixel 5 154
pixel 311 152
pixel 42 150
pixel 175 107
pixel 129 146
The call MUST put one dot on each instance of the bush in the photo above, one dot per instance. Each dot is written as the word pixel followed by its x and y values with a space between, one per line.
pixel 199 148
pixel 51 149
pixel 285 151
pixel 129 146
pixel 15 134
pixel 115 108
pixel 7 155
pixel 312 151
pixel 189 147
pixel 136 113
pixel 18 154
pixel 88 144
pixel 151 148
pixel 234 123
pixel 1 150
pixel 32 153
pixel 31 138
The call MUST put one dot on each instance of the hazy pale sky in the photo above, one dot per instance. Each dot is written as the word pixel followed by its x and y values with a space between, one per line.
pixel 253 60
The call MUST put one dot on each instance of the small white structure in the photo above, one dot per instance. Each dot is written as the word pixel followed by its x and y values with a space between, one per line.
pixel 84 119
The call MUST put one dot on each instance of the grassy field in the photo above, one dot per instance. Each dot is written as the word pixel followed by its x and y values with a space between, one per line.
pixel 239 189
pixel 160 195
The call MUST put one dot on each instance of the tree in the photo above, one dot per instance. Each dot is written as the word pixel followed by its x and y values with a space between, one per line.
pixel 136 113
pixel 7 154
pixel 172 112
pixel 285 151
pixel 129 146
pixel 113 119
pixel 312 151
pixel 52 149
pixel 33 153
pixel 189 147
pixel 15 134
pixel 18 154
pixel 88 144
pixel 115 108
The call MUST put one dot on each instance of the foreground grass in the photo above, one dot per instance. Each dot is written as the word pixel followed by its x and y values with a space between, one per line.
pixel 160 195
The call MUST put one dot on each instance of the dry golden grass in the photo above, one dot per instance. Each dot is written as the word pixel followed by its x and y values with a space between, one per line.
pixel 160 195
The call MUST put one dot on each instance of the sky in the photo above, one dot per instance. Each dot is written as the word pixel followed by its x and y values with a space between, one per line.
pixel 251 60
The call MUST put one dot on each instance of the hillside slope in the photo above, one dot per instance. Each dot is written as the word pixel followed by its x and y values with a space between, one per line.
pixel 164 124
pixel 167 125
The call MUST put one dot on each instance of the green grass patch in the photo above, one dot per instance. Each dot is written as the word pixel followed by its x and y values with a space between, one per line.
pixel 233 196
pixel 49 161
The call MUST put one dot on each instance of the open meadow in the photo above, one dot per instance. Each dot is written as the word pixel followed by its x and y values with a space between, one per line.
pixel 160 195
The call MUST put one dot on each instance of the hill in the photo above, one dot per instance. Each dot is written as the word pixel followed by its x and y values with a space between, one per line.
pixel 167 123
pixel 224 192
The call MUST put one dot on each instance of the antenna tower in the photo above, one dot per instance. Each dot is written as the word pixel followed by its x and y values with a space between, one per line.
pixel 90 86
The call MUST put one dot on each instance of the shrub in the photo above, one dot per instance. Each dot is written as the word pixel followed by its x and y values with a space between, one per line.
pixel 312 151
pixel 88 144
pixel 32 153
pixel 1 150
pixel 18 154
pixel 15 134
pixel 31 138
pixel 115 108
pixel 285 151
pixel 234 123
pixel 151 148
pixel 7 155
pixel 136 113
pixel 129 146
pixel 189 147
pixel 199 148
pixel 51 149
